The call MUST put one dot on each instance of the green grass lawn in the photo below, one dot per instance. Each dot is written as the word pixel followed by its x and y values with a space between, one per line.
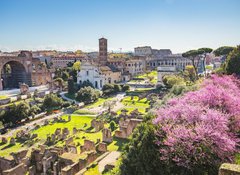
pixel 151 74
pixel 117 144
pixel 84 112
pixel 99 102
pixel 238 159
pixel 6 149
pixel 71 96
pixel 3 97
pixel 135 103
pixel 92 171
pixel 144 89
pixel 78 121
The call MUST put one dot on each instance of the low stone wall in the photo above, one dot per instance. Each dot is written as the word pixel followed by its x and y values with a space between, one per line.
pixel 5 101
pixel 71 169
pixel 20 169
pixel 229 169
pixel 6 164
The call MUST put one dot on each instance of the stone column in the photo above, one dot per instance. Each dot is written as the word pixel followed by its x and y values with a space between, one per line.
pixel 55 168
pixel 44 162
pixel 32 170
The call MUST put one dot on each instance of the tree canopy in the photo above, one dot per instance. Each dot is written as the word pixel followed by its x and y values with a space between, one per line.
pixel 52 101
pixel 76 66
pixel 233 62
pixel 71 88
pixel 87 95
pixel 195 56
pixel 224 50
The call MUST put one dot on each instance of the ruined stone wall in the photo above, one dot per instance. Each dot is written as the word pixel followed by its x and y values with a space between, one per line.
pixel 229 169
pixel 20 169
pixel 71 169
pixel 6 164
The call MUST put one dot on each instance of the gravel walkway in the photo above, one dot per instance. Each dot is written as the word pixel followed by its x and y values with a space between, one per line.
pixel 109 159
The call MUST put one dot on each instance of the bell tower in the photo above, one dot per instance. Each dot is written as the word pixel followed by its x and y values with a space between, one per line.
pixel 103 51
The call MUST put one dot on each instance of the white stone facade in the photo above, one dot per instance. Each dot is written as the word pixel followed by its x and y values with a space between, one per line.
pixel 170 60
pixel 135 67
pixel 90 72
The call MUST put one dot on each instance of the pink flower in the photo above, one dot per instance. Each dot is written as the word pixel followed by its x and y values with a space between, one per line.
pixel 200 128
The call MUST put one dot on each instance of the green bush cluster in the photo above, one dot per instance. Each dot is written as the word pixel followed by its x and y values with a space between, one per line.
pixel 171 80
pixel 88 95
pixel 110 89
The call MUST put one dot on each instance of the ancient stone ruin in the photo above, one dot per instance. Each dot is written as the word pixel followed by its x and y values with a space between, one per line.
pixel 24 89
pixel 97 124
pixel 229 169
pixel 107 135
pixel 88 146
pixel 4 140
pixel 51 160
pixel 102 147
pixel 126 127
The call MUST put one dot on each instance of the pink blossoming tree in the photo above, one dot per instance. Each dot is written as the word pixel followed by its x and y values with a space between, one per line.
pixel 199 131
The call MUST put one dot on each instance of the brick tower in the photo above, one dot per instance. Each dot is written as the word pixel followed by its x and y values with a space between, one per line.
pixel 103 51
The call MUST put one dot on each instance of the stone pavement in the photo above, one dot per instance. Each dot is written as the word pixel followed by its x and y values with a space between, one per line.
pixel 109 159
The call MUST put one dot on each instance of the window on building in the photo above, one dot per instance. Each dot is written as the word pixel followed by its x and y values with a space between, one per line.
pixel 87 72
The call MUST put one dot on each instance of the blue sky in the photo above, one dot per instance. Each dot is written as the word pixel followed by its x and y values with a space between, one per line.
pixel 77 24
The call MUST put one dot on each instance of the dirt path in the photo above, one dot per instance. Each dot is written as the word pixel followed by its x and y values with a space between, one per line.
pixel 110 158
pixel 31 124
pixel 100 109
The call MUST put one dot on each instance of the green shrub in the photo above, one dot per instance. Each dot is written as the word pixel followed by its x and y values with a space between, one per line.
pixel 66 104
pixel 125 88
pixel 52 101
pixel 86 84
pixel 171 80
pixel 112 125
pixel 117 88
pixel 87 95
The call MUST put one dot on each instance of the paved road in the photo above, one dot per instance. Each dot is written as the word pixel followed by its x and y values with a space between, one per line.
pixel 110 158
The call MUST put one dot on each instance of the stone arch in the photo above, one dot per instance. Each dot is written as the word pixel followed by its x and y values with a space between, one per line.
pixel 19 73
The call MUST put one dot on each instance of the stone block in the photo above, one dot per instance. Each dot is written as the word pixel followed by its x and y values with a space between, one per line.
pixel 229 169
pixel 4 140
pixel 102 147
pixel 12 141
pixel 106 135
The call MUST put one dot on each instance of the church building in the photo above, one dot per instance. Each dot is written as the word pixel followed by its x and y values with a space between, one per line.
pixel 98 72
